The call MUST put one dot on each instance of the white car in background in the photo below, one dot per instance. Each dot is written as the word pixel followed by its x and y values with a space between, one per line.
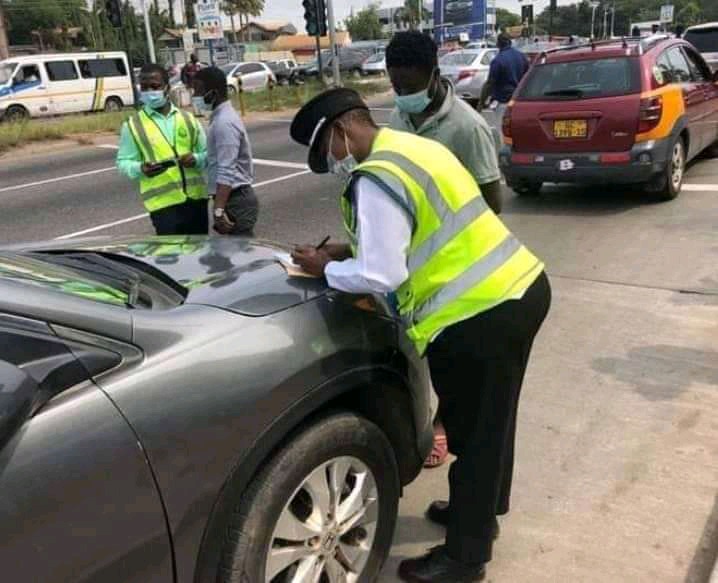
pixel 468 70
pixel 374 65
pixel 254 75
pixel 705 38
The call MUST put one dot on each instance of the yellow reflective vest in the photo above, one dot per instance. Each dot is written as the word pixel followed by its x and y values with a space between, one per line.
pixel 176 184
pixel 462 259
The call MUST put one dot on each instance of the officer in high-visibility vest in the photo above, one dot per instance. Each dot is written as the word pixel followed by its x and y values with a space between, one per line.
pixel 471 295
pixel 165 149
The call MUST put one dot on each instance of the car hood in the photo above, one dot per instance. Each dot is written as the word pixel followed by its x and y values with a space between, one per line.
pixel 238 274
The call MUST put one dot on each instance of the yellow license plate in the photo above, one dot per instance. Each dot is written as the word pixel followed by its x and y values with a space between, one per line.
pixel 570 128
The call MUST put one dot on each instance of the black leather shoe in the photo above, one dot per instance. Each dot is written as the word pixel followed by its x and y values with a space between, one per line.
pixel 438 512
pixel 437 567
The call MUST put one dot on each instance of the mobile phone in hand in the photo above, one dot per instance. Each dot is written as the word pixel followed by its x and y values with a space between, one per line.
pixel 165 164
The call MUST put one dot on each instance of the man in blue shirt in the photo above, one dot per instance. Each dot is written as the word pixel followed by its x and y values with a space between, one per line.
pixel 505 73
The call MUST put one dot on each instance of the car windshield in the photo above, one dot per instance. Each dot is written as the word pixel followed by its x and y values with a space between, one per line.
pixel 582 79
pixel 227 69
pixel 458 58
pixel 6 70
pixel 705 40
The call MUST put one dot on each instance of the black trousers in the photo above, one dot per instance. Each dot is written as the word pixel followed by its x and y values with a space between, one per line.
pixel 477 368
pixel 188 218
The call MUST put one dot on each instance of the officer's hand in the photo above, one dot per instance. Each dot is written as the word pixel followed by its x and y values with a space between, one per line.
pixel 336 251
pixel 188 161
pixel 150 170
pixel 311 260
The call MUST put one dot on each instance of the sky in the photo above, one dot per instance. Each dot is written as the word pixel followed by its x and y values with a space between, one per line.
pixel 292 9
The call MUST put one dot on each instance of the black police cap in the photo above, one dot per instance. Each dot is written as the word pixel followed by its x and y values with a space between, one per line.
pixel 312 120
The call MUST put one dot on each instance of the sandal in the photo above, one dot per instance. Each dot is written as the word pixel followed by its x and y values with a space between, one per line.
pixel 439 452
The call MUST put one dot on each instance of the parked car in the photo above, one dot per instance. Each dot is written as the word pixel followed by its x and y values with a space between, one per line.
pixel 56 84
pixel 180 409
pixel 468 70
pixel 704 38
pixel 255 76
pixel 375 65
pixel 350 62
pixel 286 72
pixel 618 112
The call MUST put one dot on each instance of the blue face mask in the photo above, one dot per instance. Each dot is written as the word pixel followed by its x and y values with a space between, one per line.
pixel 154 99
pixel 414 103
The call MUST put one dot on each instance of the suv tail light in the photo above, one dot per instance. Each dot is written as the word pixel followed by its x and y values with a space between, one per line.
pixel 506 123
pixel 650 113
pixel 466 74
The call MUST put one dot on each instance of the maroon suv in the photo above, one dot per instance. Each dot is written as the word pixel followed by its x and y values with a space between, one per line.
pixel 631 111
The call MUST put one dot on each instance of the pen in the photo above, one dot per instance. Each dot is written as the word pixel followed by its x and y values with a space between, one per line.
pixel 324 242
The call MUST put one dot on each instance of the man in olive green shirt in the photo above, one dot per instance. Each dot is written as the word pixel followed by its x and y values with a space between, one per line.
pixel 427 106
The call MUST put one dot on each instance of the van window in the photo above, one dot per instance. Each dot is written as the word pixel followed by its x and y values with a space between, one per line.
pixel 61 71
pixel 27 74
pixel 704 39
pixel 94 68
pixel 6 71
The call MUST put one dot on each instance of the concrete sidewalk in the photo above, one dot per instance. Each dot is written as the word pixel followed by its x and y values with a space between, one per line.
pixel 617 467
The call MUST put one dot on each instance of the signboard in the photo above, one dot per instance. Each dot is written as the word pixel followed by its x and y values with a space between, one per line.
pixel 209 19
pixel 667 13
pixel 453 17
pixel 188 41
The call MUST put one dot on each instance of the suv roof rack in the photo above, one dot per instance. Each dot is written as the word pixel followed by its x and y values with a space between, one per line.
pixel 640 43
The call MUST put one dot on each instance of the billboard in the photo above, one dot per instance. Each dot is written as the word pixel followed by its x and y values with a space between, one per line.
pixel 208 14
pixel 454 17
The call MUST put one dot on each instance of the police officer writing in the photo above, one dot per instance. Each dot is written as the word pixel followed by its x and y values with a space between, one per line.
pixel 164 148
pixel 471 295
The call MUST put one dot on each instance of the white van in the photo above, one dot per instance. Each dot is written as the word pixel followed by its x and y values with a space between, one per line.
pixel 44 85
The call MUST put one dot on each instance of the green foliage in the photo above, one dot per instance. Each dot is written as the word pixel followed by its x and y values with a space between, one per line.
pixel 506 18
pixel 365 25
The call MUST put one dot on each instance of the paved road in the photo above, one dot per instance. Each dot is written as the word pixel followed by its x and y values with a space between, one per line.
pixel 617 455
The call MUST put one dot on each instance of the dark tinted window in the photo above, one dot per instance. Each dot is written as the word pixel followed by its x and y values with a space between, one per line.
pixel 583 79
pixel 699 70
pixel 61 71
pixel 706 41
pixel 94 68
pixel 27 74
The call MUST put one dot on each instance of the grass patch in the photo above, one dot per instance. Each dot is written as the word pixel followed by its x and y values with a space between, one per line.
pixel 83 126
pixel 40 130
pixel 293 96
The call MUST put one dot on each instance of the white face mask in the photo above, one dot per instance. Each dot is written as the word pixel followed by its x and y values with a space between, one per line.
pixel 342 168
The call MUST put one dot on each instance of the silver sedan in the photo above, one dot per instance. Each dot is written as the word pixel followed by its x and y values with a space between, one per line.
pixel 468 70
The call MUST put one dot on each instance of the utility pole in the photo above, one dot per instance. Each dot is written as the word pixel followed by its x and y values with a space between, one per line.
pixel 148 33
pixel 4 48
pixel 333 43
pixel 594 6
pixel 605 21
pixel 613 19
pixel 421 15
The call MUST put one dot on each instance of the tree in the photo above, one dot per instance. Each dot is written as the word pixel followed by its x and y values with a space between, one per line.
pixel 409 13
pixel 243 8
pixel 365 24
pixel 506 18
pixel 24 17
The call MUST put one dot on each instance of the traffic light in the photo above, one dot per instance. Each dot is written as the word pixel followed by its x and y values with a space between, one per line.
pixel 315 15
pixel 113 11
pixel 527 14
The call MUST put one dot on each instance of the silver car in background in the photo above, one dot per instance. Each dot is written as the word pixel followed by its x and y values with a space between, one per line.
pixel 705 38
pixel 468 70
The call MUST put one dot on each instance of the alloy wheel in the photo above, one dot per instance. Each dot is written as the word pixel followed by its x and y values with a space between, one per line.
pixel 326 531
pixel 677 164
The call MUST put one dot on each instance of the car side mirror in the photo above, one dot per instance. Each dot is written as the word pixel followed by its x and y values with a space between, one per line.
pixel 17 393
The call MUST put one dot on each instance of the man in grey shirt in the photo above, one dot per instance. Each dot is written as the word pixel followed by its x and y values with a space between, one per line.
pixel 230 170
pixel 427 105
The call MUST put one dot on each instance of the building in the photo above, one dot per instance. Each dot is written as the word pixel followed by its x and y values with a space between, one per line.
pixel 267 30
pixel 392 20
pixel 304 47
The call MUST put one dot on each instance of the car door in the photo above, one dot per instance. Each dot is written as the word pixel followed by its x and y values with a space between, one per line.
pixel 693 98
pixel 78 502
pixel 29 88
pixel 703 77
pixel 64 87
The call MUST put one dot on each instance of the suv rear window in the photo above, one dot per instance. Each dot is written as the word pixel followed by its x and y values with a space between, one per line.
pixel 705 40
pixel 583 79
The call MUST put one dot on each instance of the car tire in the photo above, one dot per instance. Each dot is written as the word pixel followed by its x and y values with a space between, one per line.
pixel 289 505
pixel 16 113
pixel 667 185
pixel 113 105
pixel 527 188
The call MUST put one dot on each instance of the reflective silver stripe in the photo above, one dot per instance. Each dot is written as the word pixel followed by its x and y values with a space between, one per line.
pixel 160 190
pixel 419 175
pixel 190 126
pixel 478 271
pixel 137 125
pixel 451 226
pixel 196 181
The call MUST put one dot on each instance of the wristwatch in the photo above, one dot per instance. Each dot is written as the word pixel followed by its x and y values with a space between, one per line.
pixel 218 212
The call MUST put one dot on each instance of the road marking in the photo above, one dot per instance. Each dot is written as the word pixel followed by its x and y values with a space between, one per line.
pixel 275 120
pixel 699 187
pixel 143 215
pixel 108 146
pixel 279 164
pixel 57 179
